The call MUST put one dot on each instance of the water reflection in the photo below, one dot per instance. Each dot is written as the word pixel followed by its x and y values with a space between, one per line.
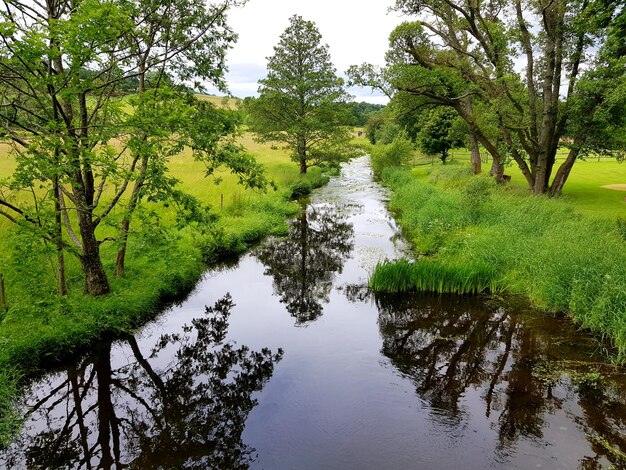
pixel 183 404
pixel 451 346
pixel 303 265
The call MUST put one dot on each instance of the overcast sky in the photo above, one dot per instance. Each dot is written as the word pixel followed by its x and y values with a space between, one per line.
pixel 356 31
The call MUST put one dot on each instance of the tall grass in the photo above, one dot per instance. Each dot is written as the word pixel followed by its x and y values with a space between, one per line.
pixel 473 236
pixel 430 276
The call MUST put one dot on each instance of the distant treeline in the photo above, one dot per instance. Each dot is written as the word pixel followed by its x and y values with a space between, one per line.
pixel 360 112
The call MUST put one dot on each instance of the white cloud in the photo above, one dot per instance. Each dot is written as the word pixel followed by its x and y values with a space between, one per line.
pixel 355 31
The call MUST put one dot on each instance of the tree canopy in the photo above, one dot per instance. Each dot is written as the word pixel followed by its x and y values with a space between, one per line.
pixel 526 76
pixel 302 101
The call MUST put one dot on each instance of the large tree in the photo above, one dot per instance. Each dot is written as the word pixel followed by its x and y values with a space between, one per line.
pixel 302 101
pixel 80 149
pixel 468 55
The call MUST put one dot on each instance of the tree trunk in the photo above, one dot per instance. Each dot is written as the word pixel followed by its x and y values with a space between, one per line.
pixel 58 239
pixel 302 156
pixel 564 170
pixel 497 170
pixel 125 227
pixel 476 163
pixel 96 282
pixel 541 175
pixel 120 259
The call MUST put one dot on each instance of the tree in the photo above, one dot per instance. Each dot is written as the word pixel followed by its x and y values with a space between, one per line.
pixel 439 134
pixel 407 111
pixel 302 101
pixel 462 55
pixel 360 112
pixel 63 66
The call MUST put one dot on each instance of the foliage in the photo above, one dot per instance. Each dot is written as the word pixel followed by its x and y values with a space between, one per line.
pixel 462 56
pixel 170 245
pixel 394 154
pixel 303 186
pixel 438 134
pixel 82 149
pixel 360 112
pixel 302 102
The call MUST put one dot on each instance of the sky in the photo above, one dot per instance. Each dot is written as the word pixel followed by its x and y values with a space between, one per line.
pixel 356 31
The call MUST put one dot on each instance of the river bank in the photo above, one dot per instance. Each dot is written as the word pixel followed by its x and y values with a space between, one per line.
pixel 472 236
pixel 286 360
pixel 165 260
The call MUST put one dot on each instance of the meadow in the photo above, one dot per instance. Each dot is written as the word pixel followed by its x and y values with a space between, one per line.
pixel 565 254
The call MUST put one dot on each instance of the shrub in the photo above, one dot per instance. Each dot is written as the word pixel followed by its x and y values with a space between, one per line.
pixel 394 154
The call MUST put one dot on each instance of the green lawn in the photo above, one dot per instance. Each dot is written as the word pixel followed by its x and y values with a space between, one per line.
pixel 584 189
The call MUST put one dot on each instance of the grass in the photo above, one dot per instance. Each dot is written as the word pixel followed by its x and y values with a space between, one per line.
pixel 164 261
pixel 432 276
pixel 584 190
pixel 472 236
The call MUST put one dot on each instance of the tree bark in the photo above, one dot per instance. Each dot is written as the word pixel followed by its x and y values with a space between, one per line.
pixel 120 259
pixel 497 170
pixel 476 163
pixel 564 170
pixel 96 282
pixel 58 239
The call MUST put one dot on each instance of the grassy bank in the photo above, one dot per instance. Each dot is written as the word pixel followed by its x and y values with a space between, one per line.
pixel 165 259
pixel 472 236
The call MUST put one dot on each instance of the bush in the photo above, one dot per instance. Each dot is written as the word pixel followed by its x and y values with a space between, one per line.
pixel 397 153
pixel 300 190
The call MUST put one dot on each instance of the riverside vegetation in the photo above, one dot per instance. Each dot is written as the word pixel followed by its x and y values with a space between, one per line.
pixel 471 235
pixel 166 257
pixel 111 158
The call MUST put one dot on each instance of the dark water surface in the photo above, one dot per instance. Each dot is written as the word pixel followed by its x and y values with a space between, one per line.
pixel 286 361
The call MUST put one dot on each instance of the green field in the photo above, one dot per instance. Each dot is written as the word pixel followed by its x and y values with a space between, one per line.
pixel 584 189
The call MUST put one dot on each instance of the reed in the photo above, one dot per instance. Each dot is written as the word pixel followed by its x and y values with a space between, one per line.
pixel 430 276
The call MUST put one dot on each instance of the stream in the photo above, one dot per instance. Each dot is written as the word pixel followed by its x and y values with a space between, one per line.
pixel 284 359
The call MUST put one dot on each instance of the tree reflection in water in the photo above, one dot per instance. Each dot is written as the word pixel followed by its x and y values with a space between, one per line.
pixel 304 263
pixel 187 412
pixel 450 345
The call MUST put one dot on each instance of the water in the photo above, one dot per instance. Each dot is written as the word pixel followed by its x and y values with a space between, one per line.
pixel 285 360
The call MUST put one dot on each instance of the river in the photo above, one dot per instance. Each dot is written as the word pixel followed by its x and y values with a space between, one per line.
pixel 284 359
